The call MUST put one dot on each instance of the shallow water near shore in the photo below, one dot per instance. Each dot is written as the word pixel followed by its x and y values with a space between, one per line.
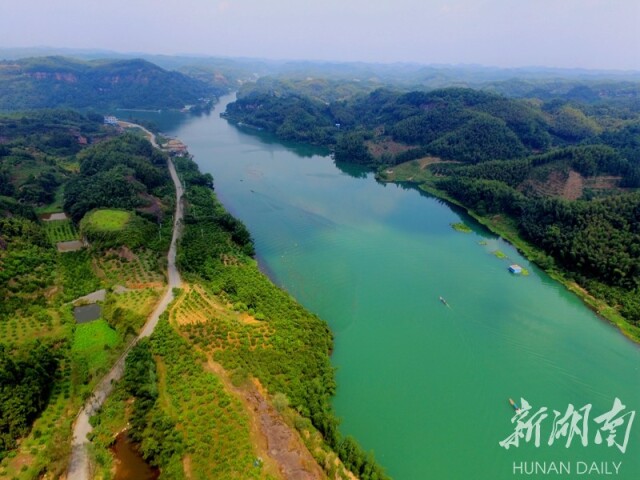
pixel 424 385
pixel 129 464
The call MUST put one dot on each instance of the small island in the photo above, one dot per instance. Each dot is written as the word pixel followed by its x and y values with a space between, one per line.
pixel 461 227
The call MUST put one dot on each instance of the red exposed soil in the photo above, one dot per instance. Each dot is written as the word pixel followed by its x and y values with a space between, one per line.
pixel 154 206
pixel 573 187
pixel 379 148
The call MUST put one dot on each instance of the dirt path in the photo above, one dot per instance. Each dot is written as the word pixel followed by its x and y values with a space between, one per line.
pixel 573 188
pixel 150 136
pixel 79 465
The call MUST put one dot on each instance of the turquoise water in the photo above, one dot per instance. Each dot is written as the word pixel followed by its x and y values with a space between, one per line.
pixel 423 385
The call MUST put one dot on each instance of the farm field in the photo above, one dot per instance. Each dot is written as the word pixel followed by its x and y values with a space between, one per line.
pixel 132 270
pixel 45 324
pixel 60 231
pixel 93 346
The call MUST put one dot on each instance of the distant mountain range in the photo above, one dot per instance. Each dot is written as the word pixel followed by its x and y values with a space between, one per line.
pixel 51 82
pixel 225 71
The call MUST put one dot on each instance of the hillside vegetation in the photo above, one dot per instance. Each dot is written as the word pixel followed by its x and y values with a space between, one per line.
pixel 176 404
pixel 49 363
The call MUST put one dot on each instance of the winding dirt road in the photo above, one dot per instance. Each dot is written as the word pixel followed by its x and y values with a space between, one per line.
pixel 80 465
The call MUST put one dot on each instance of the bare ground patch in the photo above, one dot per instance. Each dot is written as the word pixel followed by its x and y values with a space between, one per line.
pixel 50 217
pixel 380 147
pixel 573 186
pixel 413 170
pixel 570 184
pixel 605 182
pixel 280 446
pixel 551 186
pixel 71 246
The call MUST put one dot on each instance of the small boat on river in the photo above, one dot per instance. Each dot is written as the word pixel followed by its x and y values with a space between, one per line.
pixel 514 405
pixel 444 302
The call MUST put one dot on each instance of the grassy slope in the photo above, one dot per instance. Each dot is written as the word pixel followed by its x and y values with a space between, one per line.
pixel 108 220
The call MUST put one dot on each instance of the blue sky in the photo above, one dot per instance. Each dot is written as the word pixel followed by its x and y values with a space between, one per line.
pixel 603 34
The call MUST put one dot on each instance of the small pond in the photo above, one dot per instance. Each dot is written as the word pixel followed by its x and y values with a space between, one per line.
pixel 87 313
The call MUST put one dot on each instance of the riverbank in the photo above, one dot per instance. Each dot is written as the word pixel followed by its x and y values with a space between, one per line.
pixel 505 227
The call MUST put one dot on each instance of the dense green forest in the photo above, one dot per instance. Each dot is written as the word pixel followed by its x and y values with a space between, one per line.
pixel 454 123
pixel 47 82
pixel 26 378
pixel 563 162
pixel 119 173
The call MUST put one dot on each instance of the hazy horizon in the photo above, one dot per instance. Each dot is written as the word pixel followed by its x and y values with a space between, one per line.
pixel 572 34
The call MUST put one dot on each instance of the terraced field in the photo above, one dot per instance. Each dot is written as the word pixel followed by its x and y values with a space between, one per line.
pixel 140 301
pixel 60 231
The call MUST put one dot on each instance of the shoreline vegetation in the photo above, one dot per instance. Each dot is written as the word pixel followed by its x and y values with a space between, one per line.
pixel 501 227
pixel 557 175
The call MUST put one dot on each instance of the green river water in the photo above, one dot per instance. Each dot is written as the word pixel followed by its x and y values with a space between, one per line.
pixel 423 385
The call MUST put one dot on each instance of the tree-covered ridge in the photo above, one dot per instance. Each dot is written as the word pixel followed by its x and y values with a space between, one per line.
pixel 47 82
pixel 453 123
pixel 122 172
pixel 38 148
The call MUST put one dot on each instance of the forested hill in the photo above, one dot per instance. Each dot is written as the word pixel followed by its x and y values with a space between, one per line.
pixel 560 174
pixel 387 126
pixel 51 82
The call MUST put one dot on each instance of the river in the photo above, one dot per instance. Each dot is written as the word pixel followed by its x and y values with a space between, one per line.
pixel 424 385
